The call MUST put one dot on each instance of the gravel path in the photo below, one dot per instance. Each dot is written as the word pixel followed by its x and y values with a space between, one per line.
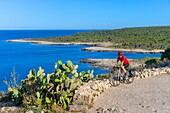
pixel 149 95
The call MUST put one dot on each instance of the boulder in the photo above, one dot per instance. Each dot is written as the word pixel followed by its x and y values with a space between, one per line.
pixel 94 86
pixel 168 71
pixel 78 108
pixel 30 111
pixel 145 75
pixel 141 76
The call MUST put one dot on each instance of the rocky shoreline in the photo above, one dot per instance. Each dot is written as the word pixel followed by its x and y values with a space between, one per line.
pixel 104 49
pixel 109 63
pixel 99 47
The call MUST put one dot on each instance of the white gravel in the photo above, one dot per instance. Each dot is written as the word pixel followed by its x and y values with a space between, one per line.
pixel 148 95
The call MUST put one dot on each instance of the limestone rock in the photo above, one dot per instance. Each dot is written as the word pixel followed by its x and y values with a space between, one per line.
pixel 78 108
pixel 30 111
pixel 94 86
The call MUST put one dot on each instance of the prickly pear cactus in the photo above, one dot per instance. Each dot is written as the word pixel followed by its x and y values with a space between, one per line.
pixel 54 89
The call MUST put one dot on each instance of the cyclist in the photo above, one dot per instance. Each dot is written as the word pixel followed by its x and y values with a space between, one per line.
pixel 122 61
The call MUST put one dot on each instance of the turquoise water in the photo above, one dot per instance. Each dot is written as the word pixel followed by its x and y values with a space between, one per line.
pixel 26 56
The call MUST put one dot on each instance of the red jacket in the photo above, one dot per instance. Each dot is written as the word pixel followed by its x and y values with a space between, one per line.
pixel 123 58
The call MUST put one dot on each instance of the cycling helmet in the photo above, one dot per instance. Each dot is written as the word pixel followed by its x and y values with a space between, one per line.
pixel 120 53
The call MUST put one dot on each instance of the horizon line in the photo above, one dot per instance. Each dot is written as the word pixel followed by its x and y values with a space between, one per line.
pixel 82 28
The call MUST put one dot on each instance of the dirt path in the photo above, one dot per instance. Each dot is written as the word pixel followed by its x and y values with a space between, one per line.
pixel 149 95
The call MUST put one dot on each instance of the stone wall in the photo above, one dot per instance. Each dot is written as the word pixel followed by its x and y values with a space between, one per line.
pixel 152 72
pixel 86 94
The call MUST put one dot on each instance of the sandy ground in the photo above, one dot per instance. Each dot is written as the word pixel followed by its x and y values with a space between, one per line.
pixel 56 43
pixel 149 95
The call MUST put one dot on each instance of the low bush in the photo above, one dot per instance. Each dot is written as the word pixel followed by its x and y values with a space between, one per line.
pixel 103 76
pixel 157 63
pixel 166 54
pixel 152 61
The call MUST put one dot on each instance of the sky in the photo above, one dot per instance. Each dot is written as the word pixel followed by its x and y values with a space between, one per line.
pixel 83 14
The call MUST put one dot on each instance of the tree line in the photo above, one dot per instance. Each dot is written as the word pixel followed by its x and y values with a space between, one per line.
pixel 139 37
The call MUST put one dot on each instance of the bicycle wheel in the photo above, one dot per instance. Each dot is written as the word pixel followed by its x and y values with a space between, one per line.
pixel 116 81
pixel 129 80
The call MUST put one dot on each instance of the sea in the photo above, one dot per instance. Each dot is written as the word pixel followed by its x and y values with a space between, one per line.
pixel 22 57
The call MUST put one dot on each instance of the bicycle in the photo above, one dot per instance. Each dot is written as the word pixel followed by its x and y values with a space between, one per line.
pixel 121 77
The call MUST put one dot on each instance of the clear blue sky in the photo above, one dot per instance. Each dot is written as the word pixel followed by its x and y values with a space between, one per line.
pixel 83 14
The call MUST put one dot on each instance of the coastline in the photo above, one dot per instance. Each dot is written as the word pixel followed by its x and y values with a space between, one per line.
pixel 104 49
pixel 98 47
pixel 109 63
pixel 52 43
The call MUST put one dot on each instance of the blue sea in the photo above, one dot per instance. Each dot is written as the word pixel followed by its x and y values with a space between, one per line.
pixel 25 56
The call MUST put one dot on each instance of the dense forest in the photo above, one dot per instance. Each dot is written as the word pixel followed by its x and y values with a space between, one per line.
pixel 139 37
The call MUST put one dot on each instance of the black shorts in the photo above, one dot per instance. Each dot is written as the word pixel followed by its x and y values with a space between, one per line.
pixel 126 65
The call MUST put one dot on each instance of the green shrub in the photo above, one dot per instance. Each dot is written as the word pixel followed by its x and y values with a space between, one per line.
pixel 156 62
pixel 166 54
pixel 52 90
pixel 13 86
pixel 152 61
pixel 103 76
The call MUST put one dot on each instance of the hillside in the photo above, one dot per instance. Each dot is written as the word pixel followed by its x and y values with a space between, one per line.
pixel 139 37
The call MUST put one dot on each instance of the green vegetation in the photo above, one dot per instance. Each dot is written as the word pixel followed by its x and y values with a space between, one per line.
pixel 53 91
pixel 142 37
pixel 13 83
pixel 159 62
pixel 166 54
pixel 103 76
pixel 151 61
